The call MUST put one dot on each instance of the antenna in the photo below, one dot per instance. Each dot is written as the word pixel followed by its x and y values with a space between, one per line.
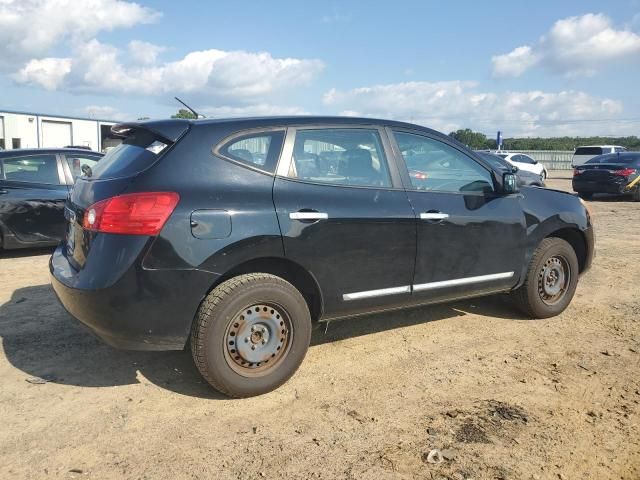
pixel 190 109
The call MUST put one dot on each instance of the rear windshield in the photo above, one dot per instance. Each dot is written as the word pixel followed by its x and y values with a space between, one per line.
pixel 616 158
pixel 588 151
pixel 138 151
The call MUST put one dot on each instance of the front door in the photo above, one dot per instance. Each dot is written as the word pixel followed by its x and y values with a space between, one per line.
pixel 345 218
pixel 470 240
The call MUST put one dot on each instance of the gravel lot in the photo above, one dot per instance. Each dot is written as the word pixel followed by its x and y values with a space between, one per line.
pixel 500 395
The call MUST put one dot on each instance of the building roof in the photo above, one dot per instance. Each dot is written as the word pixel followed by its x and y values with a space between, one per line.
pixel 16 112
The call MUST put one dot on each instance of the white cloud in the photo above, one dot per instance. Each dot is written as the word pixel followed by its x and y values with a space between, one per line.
pixel 515 62
pixel 232 76
pixel 574 46
pixel 144 53
pixel 31 28
pixel 450 105
pixel 48 72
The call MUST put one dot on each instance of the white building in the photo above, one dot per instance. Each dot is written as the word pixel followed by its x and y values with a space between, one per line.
pixel 35 130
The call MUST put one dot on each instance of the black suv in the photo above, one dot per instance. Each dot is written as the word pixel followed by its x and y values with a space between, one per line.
pixel 236 234
pixel 34 184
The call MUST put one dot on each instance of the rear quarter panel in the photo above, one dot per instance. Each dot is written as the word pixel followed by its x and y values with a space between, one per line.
pixel 205 181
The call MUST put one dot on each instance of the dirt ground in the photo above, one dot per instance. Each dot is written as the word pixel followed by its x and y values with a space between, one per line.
pixel 500 396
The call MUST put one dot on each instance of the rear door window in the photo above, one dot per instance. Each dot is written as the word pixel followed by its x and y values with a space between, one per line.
pixel 588 151
pixel 138 151
pixel 340 156
pixel 32 169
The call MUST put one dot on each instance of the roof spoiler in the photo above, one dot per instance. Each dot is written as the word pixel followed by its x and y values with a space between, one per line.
pixel 167 130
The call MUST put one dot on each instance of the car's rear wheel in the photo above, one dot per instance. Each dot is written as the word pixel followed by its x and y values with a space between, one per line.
pixel 551 280
pixel 585 195
pixel 636 194
pixel 251 334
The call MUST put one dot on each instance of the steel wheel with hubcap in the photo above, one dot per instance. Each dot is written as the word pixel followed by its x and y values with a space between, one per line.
pixel 250 334
pixel 551 279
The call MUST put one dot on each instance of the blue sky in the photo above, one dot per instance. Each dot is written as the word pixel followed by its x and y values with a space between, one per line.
pixel 527 68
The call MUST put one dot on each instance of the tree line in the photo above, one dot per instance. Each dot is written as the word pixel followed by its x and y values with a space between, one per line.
pixel 479 141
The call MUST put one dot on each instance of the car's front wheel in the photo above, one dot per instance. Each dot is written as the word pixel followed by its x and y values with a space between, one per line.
pixel 251 334
pixel 551 280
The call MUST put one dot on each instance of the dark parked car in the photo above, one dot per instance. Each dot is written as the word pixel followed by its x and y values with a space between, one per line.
pixel 34 185
pixel 525 177
pixel 234 235
pixel 617 173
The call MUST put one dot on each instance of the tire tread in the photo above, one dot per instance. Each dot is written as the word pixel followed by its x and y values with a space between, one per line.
pixel 204 317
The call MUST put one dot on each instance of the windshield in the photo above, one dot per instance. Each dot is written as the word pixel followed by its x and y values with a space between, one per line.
pixel 138 151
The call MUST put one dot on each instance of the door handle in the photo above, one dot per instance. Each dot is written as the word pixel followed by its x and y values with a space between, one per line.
pixel 433 216
pixel 308 216
pixel 3 191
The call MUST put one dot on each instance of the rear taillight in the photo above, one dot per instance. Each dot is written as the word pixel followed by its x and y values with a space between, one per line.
pixel 576 172
pixel 131 214
pixel 625 172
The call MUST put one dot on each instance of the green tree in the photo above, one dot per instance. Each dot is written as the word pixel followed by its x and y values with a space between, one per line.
pixel 184 113
pixel 473 140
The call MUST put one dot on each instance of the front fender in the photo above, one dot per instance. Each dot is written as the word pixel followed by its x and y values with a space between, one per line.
pixel 548 211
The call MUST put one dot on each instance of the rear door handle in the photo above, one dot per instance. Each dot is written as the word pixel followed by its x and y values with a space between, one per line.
pixel 3 191
pixel 308 216
pixel 433 216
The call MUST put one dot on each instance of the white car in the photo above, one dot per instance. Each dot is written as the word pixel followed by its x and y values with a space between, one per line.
pixel 525 162
pixel 587 152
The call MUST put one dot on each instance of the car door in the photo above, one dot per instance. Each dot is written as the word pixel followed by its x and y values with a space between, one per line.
pixel 33 195
pixel 470 239
pixel 345 217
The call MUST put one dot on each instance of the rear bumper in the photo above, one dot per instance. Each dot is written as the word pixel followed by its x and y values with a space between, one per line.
pixel 142 310
pixel 617 187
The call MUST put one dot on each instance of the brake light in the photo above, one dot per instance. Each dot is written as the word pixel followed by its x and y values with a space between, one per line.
pixel 576 172
pixel 625 172
pixel 131 214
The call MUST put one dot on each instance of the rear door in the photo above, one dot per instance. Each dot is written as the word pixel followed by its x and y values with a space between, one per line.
pixel 469 240
pixel 33 191
pixel 345 217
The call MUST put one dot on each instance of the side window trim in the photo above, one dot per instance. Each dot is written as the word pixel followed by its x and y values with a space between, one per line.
pixel 286 158
pixel 249 132
pixel 404 171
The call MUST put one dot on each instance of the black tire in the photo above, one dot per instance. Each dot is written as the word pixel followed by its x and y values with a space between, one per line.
pixel 636 194
pixel 222 337
pixel 585 195
pixel 533 297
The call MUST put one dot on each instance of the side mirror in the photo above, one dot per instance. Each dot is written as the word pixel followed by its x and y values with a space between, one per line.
pixel 509 183
pixel 514 169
